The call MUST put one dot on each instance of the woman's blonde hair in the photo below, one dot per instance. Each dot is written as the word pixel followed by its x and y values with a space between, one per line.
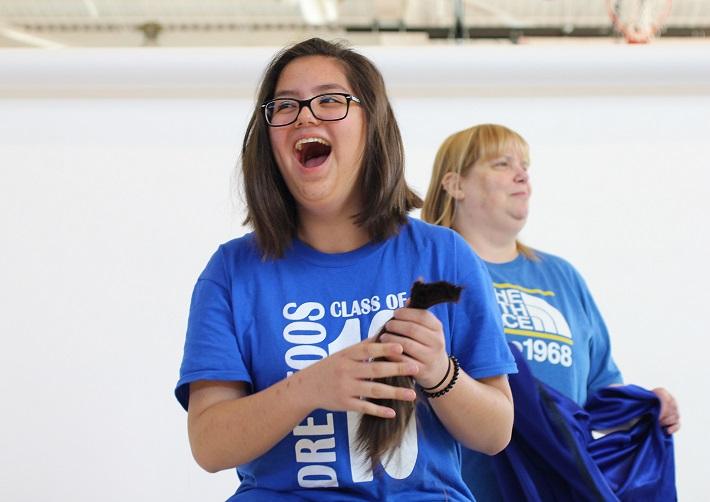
pixel 457 154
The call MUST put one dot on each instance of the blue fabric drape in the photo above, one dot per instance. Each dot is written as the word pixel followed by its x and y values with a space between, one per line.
pixel 554 457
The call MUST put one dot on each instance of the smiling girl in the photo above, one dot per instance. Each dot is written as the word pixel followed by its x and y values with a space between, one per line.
pixel 276 371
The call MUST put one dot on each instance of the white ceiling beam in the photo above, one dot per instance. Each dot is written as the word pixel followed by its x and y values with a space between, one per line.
pixel 463 70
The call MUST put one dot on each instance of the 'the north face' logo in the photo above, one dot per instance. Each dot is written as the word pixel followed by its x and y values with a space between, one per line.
pixel 538 329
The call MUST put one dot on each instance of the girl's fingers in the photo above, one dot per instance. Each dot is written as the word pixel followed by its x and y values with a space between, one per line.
pixel 404 358
pixel 410 347
pixel 368 350
pixel 384 369
pixel 377 390
pixel 375 350
pixel 374 390
pixel 370 408
pixel 429 339
pixel 419 316
pixel 411 329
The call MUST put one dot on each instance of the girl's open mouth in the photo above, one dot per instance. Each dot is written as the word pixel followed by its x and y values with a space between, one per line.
pixel 312 152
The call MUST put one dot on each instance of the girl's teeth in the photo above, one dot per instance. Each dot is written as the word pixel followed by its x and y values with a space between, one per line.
pixel 301 142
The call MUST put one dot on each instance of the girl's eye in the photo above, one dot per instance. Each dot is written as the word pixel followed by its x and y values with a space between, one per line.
pixel 284 105
pixel 331 99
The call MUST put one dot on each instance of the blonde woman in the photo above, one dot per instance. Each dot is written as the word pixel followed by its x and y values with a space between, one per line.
pixel 481 188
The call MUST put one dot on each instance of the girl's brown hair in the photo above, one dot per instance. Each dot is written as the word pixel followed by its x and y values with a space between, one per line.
pixel 378 437
pixel 271 209
pixel 457 154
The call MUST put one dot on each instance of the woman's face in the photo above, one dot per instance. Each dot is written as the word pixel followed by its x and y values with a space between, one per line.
pixel 319 160
pixel 495 193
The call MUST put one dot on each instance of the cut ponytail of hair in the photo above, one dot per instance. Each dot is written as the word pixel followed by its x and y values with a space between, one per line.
pixel 378 437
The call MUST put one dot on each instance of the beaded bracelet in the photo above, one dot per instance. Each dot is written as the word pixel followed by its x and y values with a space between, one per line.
pixel 451 383
pixel 448 370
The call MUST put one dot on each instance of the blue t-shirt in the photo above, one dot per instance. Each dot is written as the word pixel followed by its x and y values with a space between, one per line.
pixel 258 321
pixel 549 314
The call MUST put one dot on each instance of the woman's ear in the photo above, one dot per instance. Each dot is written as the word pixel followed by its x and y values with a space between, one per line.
pixel 451 183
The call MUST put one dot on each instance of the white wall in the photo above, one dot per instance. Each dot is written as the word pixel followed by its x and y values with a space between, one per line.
pixel 116 185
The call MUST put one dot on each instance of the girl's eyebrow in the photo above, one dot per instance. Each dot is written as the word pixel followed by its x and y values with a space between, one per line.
pixel 316 90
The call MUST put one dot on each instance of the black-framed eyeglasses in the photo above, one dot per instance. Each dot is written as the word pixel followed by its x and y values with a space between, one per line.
pixel 330 107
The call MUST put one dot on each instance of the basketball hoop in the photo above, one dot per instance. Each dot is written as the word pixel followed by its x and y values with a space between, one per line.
pixel 638 20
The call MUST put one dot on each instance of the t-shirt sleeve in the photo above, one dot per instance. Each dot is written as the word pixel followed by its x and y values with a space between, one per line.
pixel 211 349
pixel 602 368
pixel 477 339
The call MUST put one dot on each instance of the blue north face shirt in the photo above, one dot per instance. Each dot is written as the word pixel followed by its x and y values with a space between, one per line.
pixel 549 314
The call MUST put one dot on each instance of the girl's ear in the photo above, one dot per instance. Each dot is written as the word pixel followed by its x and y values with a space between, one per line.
pixel 451 183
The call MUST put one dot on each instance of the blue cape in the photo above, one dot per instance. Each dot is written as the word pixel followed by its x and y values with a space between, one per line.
pixel 553 454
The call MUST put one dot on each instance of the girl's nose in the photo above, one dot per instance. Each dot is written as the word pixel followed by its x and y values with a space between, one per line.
pixel 305 116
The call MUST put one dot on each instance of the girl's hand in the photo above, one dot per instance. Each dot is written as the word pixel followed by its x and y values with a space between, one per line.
pixel 420 334
pixel 341 380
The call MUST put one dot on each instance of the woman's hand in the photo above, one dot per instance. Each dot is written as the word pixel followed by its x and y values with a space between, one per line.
pixel 341 380
pixel 420 334
pixel 669 416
